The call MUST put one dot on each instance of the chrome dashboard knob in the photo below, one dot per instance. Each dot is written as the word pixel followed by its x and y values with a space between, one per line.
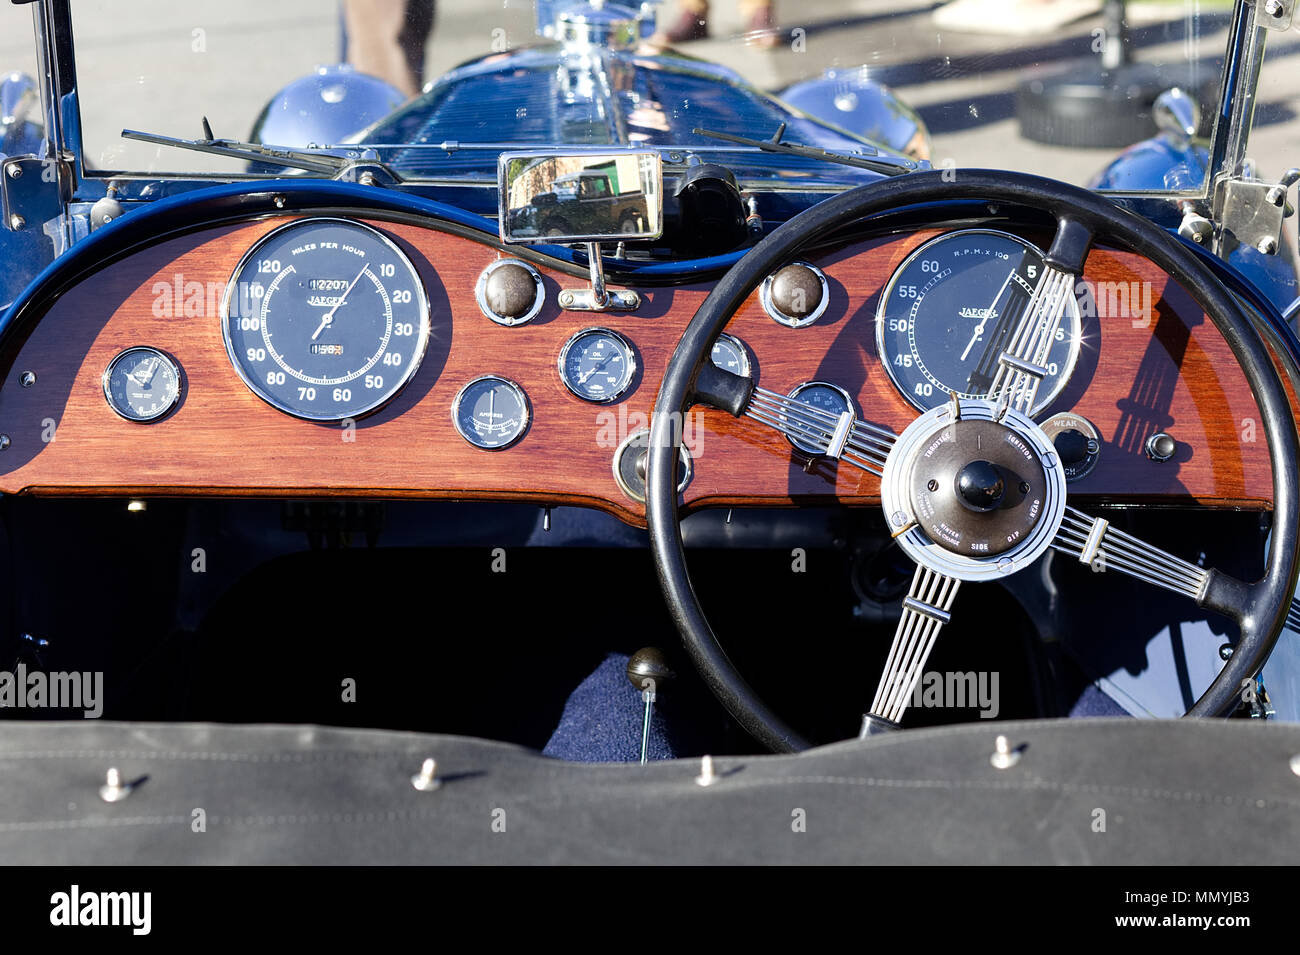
pixel 1161 447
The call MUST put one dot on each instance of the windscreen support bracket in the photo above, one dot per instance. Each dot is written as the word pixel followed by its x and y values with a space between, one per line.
pixel 33 190
pixel 1274 14
pixel 1250 211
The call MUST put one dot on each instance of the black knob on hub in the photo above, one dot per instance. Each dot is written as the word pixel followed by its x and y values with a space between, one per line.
pixel 649 663
pixel 981 486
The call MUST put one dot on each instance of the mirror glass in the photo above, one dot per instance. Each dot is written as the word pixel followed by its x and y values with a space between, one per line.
pixel 554 197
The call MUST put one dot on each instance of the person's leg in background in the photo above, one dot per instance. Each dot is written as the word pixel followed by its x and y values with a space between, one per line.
pixel 692 22
pixel 760 22
pixel 386 39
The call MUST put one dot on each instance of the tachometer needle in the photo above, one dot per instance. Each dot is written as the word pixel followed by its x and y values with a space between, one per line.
pixel 979 329
pixel 328 318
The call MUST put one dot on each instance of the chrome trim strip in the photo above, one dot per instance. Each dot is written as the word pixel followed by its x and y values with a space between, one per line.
pixel 1093 543
pixel 926 610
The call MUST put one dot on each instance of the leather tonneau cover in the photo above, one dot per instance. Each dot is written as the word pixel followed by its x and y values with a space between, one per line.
pixel 1166 791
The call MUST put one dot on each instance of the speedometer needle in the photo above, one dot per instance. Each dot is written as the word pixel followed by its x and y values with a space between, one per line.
pixel 979 329
pixel 328 318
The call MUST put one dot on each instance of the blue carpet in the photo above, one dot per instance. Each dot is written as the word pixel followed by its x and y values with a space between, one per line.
pixel 1093 702
pixel 603 717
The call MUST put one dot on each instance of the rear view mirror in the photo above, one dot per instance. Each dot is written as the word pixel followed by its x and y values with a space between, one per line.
pixel 591 197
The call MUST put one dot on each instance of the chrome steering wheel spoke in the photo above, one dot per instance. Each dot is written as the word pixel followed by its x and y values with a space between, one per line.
pixel 1022 365
pixel 1095 542
pixel 841 437
pixel 926 609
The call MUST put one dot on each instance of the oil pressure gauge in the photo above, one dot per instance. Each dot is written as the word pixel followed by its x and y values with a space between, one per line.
pixel 491 412
pixel 142 384
pixel 598 365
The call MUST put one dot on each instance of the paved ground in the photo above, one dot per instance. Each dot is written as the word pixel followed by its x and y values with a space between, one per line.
pixel 162 64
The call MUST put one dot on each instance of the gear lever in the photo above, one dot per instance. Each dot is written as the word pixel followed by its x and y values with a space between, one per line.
pixel 648 670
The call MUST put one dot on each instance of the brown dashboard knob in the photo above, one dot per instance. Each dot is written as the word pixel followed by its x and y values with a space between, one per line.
pixel 510 292
pixel 795 295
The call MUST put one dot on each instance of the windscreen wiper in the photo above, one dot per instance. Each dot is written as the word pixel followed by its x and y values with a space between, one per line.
pixel 889 165
pixel 318 162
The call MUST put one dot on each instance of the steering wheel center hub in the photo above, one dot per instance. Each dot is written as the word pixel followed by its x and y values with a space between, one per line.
pixel 977 487
pixel 973 496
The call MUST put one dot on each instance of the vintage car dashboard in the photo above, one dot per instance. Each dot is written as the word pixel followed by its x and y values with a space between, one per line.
pixel 306 353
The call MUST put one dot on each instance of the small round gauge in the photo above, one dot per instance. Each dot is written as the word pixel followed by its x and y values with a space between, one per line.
pixel 142 384
pixel 730 354
pixel 325 319
pixel 947 313
pixel 491 412
pixel 824 397
pixel 597 364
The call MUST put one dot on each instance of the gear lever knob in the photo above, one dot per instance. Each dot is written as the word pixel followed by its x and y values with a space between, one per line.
pixel 648 669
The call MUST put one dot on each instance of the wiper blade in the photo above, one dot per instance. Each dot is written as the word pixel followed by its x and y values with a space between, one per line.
pixel 278 156
pixel 889 165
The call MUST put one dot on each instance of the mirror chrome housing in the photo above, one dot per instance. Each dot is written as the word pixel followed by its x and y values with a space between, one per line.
pixel 553 197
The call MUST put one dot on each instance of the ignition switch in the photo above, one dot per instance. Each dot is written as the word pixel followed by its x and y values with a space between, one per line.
pixel 1077 442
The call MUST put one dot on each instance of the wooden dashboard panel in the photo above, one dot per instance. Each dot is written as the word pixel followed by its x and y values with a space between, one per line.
pixel 1175 373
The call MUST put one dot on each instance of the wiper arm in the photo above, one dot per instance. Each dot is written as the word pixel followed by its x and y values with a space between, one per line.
pixel 890 166
pixel 274 155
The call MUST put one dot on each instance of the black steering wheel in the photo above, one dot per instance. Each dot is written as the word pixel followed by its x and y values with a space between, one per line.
pixel 1013 496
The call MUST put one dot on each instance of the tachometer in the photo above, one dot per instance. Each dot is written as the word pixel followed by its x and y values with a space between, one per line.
pixel 946 315
pixel 325 319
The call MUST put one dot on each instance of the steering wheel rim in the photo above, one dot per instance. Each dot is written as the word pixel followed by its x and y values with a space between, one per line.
pixel 1258 608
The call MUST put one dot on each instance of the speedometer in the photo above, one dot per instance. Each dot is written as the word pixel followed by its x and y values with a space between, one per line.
pixel 947 313
pixel 325 319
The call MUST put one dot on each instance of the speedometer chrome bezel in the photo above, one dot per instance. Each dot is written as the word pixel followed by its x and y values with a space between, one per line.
pixel 418 293
pixel 1047 397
